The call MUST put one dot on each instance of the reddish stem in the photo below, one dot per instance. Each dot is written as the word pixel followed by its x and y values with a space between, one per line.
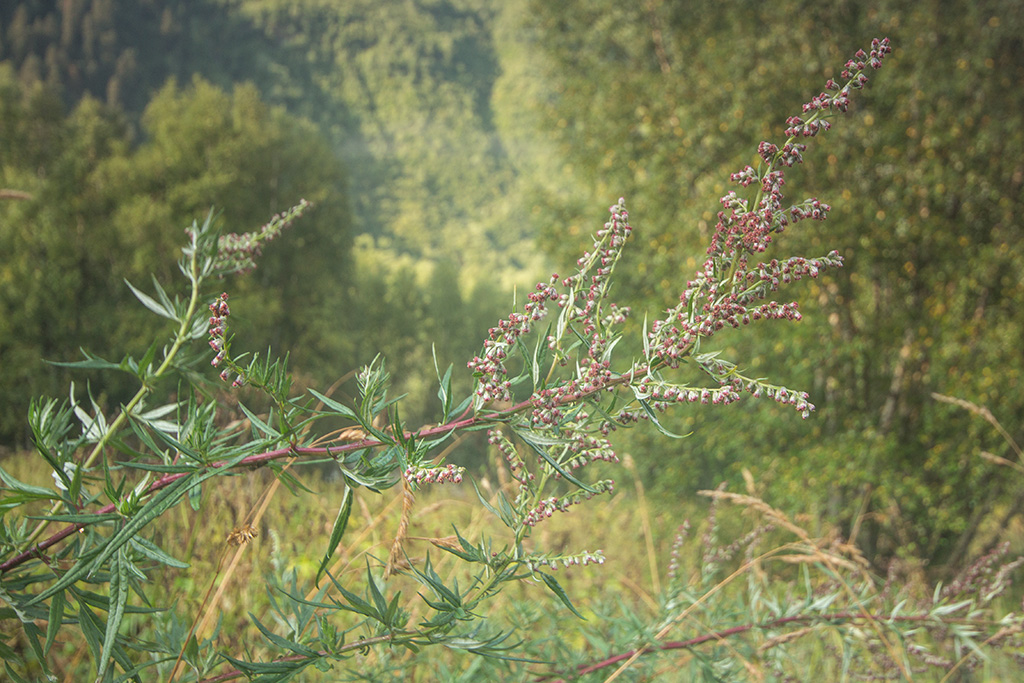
pixel 584 669
pixel 262 458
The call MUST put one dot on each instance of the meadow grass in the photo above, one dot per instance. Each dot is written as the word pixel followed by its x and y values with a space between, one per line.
pixel 622 601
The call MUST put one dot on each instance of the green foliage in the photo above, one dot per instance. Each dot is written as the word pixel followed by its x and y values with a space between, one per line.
pixel 400 93
pixel 103 211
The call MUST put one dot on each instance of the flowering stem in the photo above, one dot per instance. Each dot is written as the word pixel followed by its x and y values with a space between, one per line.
pixel 258 459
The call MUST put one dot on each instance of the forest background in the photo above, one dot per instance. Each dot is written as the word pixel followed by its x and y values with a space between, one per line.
pixel 457 149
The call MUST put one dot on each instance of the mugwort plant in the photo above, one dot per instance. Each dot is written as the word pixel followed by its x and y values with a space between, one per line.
pixel 79 564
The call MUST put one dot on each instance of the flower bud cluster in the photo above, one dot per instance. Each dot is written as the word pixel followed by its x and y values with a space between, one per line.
pixel 594 269
pixel 578 560
pixel 237 253
pixel 674 560
pixel 549 506
pixel 797 126
pixel 218 329
pixel 810 208
pixel 218 326
pixel 983 577
pixel 415 474
pixel 799 400
pixel 625 417
pixel 723 291
pixel 824 103
pixel 714 396
pixel 587 448
pixel 726 375
pixel 490 369
pixel 768 277
pixel 879 49
pixel 516 466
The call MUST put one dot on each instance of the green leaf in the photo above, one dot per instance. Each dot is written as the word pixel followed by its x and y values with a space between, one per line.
pixel 177 445
pixel 13 674
pixel 33 492
pixel 657 423
pixel 543 453
pixel 91 628
pixel 340 522
pixel 281 641
pixel 259 424
pixel 162 469
pixel 119 583
pixel 150 550
pixel 91 362
pixel 84 518
pixel 165 300
pixel 270 672
pixel 147 359
pixel 506 520
pixel 355 603
pixel 378 597
pixel 559 592
pixel 152 304
pixel 444 391
pixel 143 435
pixel 340 409
pixel 195 497
pixel 55 619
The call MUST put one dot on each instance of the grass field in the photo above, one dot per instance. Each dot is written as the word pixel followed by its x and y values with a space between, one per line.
pixel 626 602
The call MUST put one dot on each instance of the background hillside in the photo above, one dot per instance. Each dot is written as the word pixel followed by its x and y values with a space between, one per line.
pixel 456 149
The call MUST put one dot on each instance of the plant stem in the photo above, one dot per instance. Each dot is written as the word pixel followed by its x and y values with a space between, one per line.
pixel 180 337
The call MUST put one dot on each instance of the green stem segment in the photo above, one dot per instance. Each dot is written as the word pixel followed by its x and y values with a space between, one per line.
pixel 180 337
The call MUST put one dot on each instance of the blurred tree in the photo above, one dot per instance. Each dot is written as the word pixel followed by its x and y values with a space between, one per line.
pixel 104 211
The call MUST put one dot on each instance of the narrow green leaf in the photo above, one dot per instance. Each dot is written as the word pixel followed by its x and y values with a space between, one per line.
pixel 258 423
pixel 150 303
pixel 195 497
pixel 389 616
pixel 342 410
pixel 173 443
pixel 119 583
pixel 147 358
pixel 657 423
pixel 340 522
pixel 78 519
pixel 355 603
pixel 153 552
pixel 378 597
pixel 559 592
pixel 507 521
pixel 55 619
pixel 165 300
pixel 91 628
pixel 33 491
pixel 568 476
pixel 143 434
pixel 162 469
pixel 269 672
pixel 14 676
pixel 91 362
pixel 281 641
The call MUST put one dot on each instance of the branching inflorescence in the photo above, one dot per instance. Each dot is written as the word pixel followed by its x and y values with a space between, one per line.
pixel 550 416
